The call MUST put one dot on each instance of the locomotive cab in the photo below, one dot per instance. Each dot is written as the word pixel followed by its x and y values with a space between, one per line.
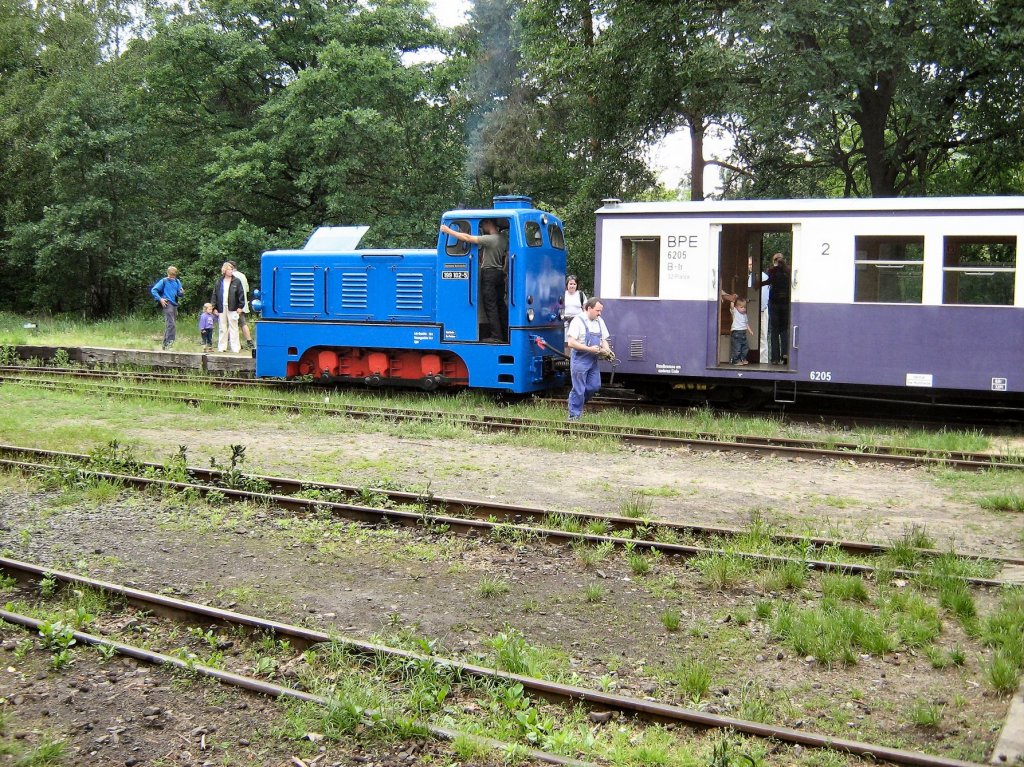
pixel 415 317
pixel 533 272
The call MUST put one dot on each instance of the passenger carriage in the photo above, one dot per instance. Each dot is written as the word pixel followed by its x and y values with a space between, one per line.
pixel 896 297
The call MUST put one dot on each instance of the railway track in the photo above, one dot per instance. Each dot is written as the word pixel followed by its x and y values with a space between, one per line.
pixel 114 384
pixel 384 507
pixel 300 637
pixel 189 612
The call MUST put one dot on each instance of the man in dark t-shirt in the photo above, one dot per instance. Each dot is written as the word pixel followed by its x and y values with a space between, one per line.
pixel 493 249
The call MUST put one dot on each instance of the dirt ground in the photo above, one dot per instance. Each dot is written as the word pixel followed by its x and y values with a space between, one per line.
pixel 369 583
pixel 864 501
pixel 125 713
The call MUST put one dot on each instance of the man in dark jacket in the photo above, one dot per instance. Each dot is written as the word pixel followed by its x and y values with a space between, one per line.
pixel 778 310
pixel 228 298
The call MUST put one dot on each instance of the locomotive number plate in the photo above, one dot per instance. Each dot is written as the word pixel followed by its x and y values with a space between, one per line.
pixel 454 274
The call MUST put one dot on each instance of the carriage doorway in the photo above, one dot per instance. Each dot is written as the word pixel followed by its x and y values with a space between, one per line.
pixel 745 254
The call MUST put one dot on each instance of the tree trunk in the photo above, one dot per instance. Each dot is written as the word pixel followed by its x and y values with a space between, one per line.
pixel 875 101
pixel 697 163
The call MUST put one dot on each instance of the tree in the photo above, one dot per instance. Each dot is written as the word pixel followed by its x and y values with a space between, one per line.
pixel 664 65
pixel 70 225
pixel 878 97
pixel 21 169
pixel 358 137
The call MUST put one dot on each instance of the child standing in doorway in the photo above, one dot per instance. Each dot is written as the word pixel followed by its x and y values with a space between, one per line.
pixel 206 327
pixel 739 348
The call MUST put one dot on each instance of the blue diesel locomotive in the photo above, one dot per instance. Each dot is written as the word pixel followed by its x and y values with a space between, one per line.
pixel 414 317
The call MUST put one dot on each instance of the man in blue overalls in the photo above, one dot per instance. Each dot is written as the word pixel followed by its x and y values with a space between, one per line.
pixel 588 340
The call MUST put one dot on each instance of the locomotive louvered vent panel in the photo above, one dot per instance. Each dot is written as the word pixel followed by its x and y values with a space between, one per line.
pixel 355 293
pixel 636 348
pixel 409 291
pixel 302 290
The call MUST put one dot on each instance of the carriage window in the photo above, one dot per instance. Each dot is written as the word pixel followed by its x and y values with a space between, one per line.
pixel 979 270
pixel 640 266
pixel 556 237
pixel 455 247
pixel 889 270
pixel 533 237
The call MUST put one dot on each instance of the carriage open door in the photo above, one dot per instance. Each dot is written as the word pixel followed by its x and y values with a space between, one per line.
pixel 744 255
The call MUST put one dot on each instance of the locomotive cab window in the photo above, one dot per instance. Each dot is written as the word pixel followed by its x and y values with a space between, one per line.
pixel 454 247
pixel 641 257
pixel 533 235
pixel 889 270
pixel 556 237
pixel 979 270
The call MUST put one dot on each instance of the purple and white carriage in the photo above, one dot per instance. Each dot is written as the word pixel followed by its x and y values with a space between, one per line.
pixel 898 298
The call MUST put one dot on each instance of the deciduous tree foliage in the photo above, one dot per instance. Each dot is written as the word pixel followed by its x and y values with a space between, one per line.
pixel 137 136
pixel 879 97
pixel 212 135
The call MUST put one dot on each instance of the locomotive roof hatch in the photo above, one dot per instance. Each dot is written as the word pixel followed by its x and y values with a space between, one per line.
pixel 335 239
pixel 513 201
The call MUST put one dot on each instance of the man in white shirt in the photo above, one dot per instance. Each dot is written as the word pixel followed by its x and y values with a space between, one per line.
pixel 588 341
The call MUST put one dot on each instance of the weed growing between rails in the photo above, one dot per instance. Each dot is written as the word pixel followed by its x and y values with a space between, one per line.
pixel 115 458
pixel 506 711
pixel 232 475
pixel 63 611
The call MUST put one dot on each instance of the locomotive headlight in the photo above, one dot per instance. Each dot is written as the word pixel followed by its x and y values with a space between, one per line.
pixel 257 293
pixel 529 314
pixel 256 304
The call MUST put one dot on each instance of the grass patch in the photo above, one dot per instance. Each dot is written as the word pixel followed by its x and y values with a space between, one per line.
pixel 1002 502
pixel 847 588
pixel 1003 631
pixel 492 587
pixel 926 715
pixel 514 654
pixel 694 679
pixel 594 592
pixel 832 633
pixel 639 564
pixel 637 506
pixel 789 575
pixel 722 571
pixel 49 753
pixel 670 619
pixel 591 556
pixel 143 330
